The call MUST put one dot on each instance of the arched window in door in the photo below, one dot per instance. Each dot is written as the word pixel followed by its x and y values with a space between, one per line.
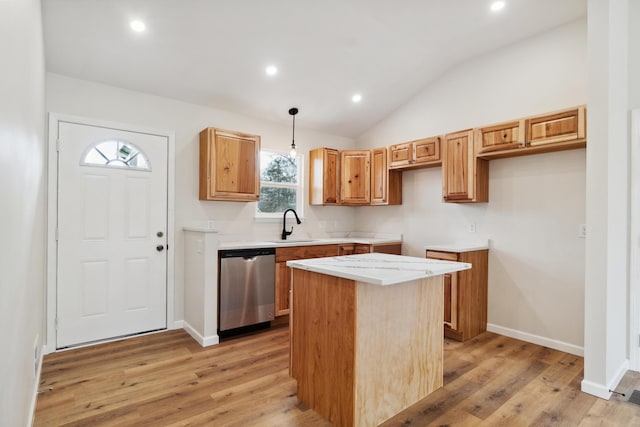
pixel 115 154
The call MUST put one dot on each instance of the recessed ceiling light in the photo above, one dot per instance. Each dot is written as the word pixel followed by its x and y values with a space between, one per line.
pixel 137 26
pixel 356 98
pixel 271 70
pixel 497 5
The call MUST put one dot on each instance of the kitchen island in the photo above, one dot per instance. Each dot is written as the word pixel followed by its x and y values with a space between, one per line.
pixel 366 334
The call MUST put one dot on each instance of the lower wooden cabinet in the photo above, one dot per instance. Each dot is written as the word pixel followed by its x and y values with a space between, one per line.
pixel 283 273
pixel 465 294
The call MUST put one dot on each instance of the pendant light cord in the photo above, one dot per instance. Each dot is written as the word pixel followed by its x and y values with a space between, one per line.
pixel 293 112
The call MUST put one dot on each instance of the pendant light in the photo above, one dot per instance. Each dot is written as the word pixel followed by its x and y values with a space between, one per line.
pixel 293 112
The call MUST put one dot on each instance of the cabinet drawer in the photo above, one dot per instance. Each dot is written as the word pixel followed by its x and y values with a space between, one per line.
pixel 506 136
pixel 563 126
pixel 426 150
pixel 304 252
pixel 445 256
pixel 400 154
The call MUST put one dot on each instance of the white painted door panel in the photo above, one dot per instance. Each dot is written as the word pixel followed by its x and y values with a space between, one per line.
pixel 111 276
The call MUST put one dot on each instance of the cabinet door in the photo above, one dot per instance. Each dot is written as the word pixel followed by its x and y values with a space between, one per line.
pixel 505 136
pixel 564 126
pixel 465 178
pixel 379 177
pixel 400 154
pixel 229 165
pixel 355 179
pixel 361 248
pixel 426 150
pixel 387 248
pixel 283 283
pixel 323 177
pixel 347 249
pixel 457 172
pixel 451 300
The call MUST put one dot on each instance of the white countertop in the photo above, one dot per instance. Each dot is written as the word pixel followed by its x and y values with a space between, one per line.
pixel 242 244
pixel 459 246
pixel 379 269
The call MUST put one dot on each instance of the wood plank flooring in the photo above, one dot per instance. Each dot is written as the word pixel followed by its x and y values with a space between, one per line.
pixel 167 379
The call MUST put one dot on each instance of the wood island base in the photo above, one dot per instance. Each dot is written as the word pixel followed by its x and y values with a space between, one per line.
pixel 362 352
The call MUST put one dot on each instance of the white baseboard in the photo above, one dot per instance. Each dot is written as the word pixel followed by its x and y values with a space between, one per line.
pixel 178 324
pixel 36 387
pixel 537 339
pixel 594 389
pixel 203 341
pixel 601 390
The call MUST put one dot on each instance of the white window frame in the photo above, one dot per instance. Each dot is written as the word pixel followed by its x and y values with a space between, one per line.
pixel 299 187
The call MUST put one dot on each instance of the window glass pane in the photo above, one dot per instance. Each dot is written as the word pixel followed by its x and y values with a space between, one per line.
pixel 119 154
pixel 276 199
pixel 276 167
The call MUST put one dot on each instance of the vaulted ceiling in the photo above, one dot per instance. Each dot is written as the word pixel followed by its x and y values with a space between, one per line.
pixel 214 52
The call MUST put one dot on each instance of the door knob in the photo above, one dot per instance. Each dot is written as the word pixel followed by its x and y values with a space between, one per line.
pixel 159 234
pixel 160 248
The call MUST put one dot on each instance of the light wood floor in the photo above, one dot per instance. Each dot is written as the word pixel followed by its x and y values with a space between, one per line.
pixel 167 379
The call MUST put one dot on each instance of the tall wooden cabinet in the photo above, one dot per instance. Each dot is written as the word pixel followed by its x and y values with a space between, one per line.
pixel 355 178
pixel 229 166
pixel 465 294
pixel 324 176
pixel 465 178
pixel 386 184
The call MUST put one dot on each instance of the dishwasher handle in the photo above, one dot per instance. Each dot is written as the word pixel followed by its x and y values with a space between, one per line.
pixel 245 253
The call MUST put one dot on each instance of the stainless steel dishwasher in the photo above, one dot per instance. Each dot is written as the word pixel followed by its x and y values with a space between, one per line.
pixel 246 287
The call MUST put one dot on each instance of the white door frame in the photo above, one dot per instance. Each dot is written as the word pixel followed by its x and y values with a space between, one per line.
pixel 634 243
pixel 52 215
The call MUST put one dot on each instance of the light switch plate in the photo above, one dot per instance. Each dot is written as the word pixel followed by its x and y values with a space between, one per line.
pixel 582 231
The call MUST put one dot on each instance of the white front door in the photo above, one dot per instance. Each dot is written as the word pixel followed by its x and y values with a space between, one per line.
pixel 112 227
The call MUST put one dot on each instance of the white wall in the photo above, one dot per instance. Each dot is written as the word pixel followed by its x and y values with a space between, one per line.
pixel 536 203
pixel 81 98
pixel 607 259
pixel 22 155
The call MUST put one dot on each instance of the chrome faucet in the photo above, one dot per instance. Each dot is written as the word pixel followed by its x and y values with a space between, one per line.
pixel 285 233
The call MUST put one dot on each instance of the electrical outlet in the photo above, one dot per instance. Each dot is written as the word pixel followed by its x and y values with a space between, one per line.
pixel 472 227
pixel 582 231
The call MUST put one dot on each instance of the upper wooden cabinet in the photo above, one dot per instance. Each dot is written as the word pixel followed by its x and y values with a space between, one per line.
pixel 386 185
pixel 505 136
pixel 229 166
pixel 555 128
pixel 355 178
pixel 560 130
pixel 324 178
pixel 465 178
pixel 415 154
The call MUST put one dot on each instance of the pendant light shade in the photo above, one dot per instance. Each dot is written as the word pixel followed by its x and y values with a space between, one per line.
pixel 293 112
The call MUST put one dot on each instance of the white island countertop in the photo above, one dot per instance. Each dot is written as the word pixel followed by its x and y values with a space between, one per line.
pixel 378 268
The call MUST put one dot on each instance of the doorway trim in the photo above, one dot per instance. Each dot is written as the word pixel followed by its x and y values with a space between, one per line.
pixel 52 216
